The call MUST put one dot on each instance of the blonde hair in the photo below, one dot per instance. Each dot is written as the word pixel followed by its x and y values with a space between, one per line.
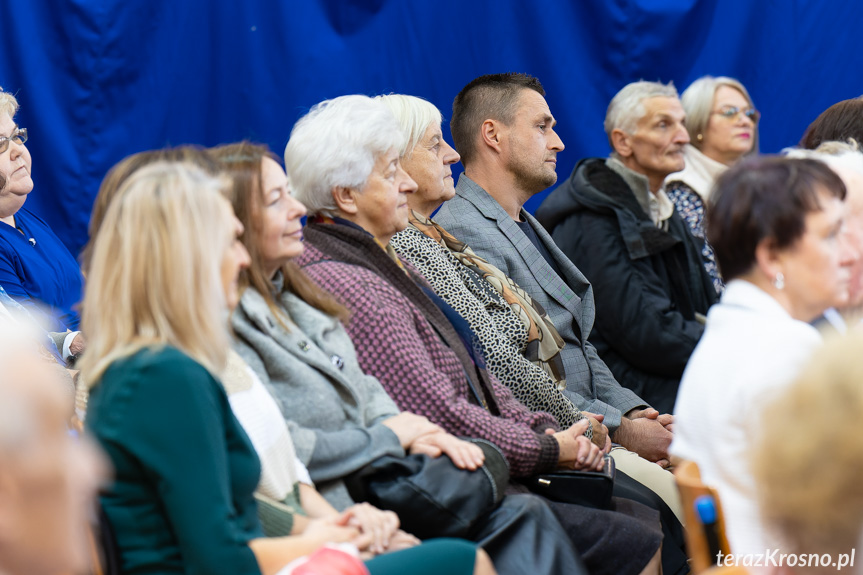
pixel 8 103
pixel 697 101
pixel 155 270
pixel 808 458
pixel 121 171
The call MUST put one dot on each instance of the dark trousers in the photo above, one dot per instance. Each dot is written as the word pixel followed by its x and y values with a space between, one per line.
pixel 673 543
pixel 523 537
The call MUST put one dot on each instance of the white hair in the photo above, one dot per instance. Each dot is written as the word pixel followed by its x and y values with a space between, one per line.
pixel 414 115
pixel 627 106
pixel 847 155
pixel 335 145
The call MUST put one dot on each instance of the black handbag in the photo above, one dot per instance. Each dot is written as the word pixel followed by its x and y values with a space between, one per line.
pixel 588 488
pixel 432 497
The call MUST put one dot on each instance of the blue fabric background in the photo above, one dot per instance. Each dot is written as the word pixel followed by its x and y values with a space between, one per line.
pixel 100 79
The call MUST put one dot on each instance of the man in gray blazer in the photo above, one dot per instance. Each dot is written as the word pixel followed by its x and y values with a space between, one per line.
pixel 504 131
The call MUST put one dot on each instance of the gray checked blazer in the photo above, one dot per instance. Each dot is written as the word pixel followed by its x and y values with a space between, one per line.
pixel 476 218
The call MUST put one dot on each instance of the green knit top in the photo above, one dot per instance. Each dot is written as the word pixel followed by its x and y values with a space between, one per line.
pixel 184 469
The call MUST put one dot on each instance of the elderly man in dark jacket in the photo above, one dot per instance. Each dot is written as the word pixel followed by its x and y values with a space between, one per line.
pixel 614 221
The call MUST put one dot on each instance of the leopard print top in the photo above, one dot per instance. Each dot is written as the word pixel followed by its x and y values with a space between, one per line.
pixel 502 335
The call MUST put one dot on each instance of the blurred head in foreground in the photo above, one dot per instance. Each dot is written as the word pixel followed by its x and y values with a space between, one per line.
pixel 48 478
pixel 808 474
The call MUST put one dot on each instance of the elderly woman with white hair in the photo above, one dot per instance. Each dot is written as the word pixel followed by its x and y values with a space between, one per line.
pixel 723 127
pixel 343 162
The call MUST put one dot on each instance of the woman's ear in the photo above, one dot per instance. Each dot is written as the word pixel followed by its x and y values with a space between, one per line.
pixel 768 258
pixel 346 200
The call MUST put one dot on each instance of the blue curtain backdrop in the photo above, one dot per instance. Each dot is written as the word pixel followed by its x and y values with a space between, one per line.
pixel 100 79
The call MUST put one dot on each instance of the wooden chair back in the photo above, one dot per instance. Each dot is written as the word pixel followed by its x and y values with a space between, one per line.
pixel 691 488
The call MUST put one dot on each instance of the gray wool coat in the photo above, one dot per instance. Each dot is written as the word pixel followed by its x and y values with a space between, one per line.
pixel 333 410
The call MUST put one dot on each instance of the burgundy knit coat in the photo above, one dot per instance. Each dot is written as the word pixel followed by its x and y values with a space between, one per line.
pixel 406 341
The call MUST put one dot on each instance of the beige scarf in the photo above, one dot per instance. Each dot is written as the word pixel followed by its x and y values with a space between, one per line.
pixel 543 341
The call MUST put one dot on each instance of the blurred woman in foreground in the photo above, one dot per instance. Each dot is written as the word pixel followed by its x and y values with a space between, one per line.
pixel 48 478
pixel 813 513
pixel 776 227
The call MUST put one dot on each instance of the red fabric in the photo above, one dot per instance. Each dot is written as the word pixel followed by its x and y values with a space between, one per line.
pixel 329 561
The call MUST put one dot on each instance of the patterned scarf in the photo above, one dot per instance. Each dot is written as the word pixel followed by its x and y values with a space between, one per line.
pixel 543 341
pixel 320 219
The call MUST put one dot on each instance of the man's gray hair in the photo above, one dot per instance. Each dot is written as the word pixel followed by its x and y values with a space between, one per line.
pixel 335 145
pixel 627 107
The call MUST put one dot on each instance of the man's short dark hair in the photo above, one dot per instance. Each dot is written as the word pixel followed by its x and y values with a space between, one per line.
pixel 495 97
pixel 764 198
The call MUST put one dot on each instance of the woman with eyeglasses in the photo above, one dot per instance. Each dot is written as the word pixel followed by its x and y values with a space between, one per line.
pixel 723 127
pixel 36 269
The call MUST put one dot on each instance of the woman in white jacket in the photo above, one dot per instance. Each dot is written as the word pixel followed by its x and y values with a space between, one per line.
pixel 776 227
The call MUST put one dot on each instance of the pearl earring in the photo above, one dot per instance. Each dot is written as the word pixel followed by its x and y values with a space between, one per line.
pixel 779 281
pixel 699 137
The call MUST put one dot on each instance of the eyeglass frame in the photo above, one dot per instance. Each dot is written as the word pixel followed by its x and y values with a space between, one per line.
pixel 19 136
pixel 733 112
